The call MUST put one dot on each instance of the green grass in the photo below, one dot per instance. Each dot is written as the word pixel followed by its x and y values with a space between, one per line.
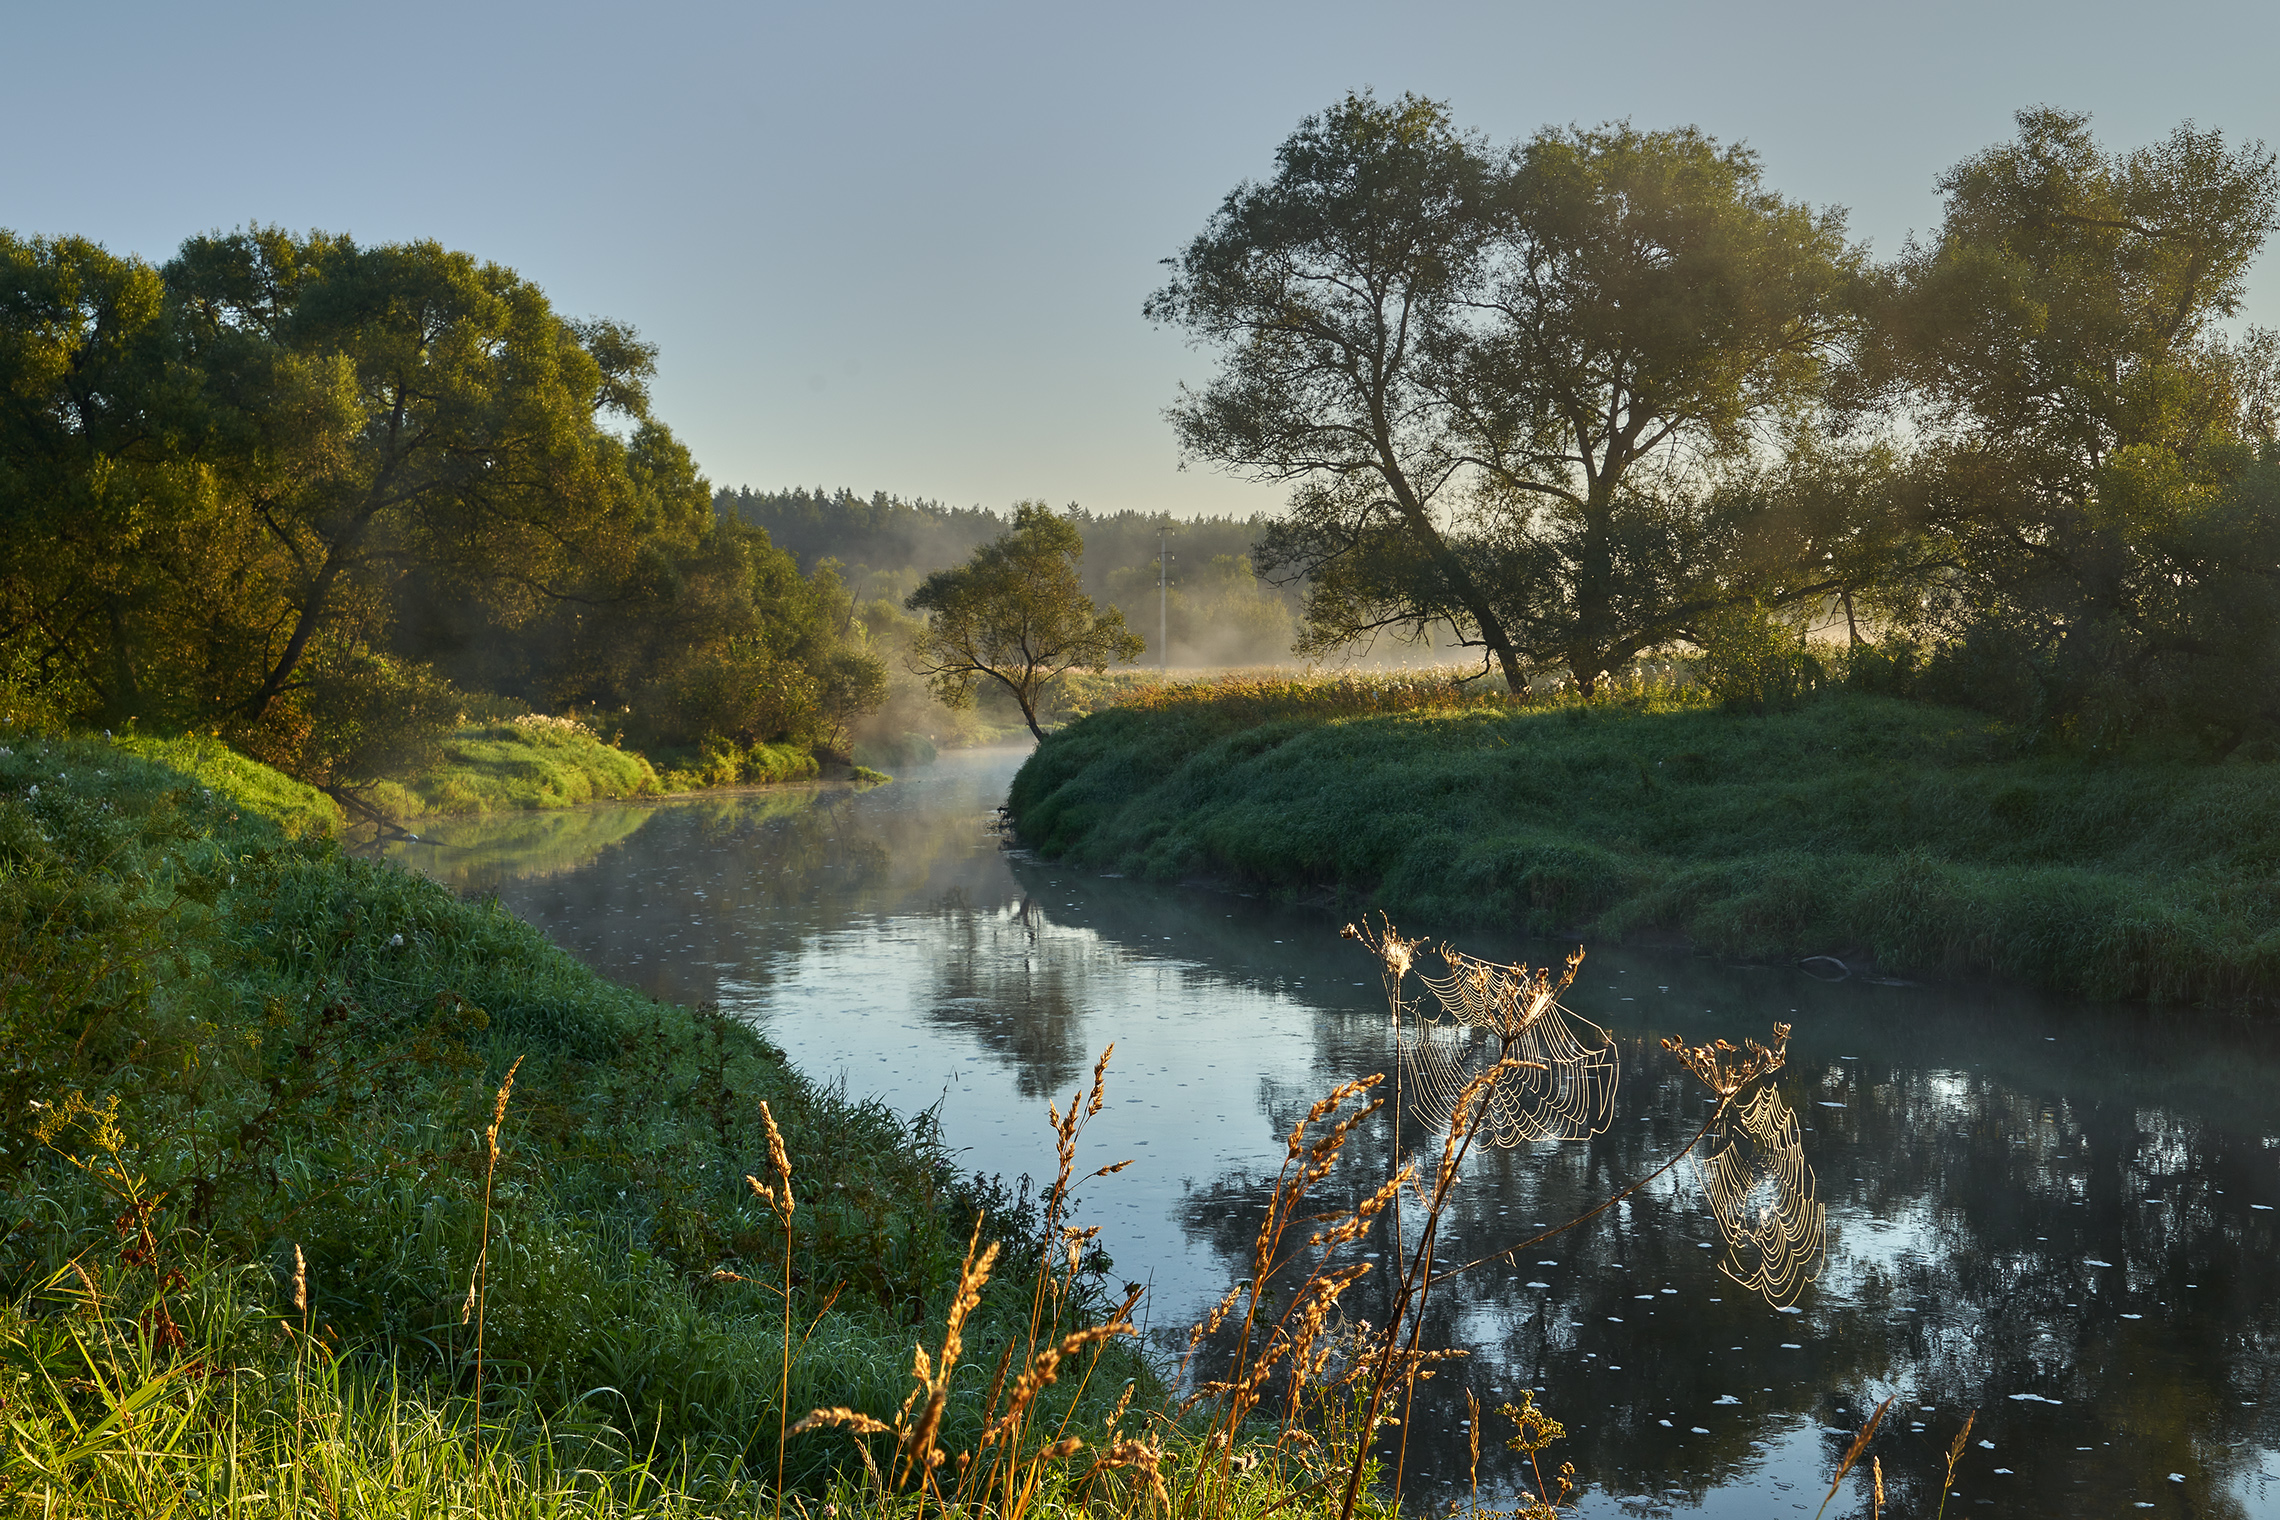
pixel 534 764
pixel 222 1027
pixel 523 765
pixel 721 763
pixel 1919 836
pixel 299 810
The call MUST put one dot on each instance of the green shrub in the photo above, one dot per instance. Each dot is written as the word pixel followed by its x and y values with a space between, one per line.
pixel 1751 659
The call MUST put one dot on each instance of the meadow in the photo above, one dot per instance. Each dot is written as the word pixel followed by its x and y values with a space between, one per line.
pixel 1914 839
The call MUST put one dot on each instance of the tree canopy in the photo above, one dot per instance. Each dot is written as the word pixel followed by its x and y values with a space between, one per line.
pixel 1604 392
pixel 2086 478
pixel 1017 614
pixel 283 485
pixel 1514 389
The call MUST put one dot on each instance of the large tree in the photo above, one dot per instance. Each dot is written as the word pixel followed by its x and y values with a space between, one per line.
pixel 2085 418
pixel 295 488
pixel 381 410
pixel 1016 613
pixel 1519 393
pixel 1650 349
pixel 93 465
pixel 1322 291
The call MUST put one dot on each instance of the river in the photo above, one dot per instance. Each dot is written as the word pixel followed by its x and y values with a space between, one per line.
pixel 2059 1216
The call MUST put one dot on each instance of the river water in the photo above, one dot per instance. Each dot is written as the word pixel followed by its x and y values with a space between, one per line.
pixel 2061 1217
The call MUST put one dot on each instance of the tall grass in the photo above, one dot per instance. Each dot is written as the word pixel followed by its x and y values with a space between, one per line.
pixel 299 1049
pixel 1919 838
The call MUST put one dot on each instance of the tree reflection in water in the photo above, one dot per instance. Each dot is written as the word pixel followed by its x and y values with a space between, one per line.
pixel 1025 1010
pixel 2046 1211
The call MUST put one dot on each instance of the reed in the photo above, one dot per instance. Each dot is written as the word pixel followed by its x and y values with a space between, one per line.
pixel 478 1280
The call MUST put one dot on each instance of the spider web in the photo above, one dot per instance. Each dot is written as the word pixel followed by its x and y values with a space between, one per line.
pixel 1761 1192
pixel 1501 1012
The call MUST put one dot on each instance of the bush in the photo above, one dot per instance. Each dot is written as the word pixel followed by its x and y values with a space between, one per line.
pixel 1752 660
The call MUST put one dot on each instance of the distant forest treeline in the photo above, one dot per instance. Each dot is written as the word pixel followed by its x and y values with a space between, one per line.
pixel 1215 608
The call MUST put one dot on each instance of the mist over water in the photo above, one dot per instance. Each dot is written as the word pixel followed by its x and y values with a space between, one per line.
pixel 2063 1217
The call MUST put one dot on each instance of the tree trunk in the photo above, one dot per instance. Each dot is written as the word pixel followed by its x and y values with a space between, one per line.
pixel 1594 593
pixel 1460 582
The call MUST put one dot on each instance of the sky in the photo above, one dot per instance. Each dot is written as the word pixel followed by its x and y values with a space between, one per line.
pixel 904 247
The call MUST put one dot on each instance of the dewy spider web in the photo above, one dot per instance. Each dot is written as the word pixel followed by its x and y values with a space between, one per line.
pixel 1761 1193
pixel 1567 1092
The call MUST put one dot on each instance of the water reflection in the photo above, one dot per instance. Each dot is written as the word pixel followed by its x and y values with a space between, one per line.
pixel 1761 1195
pixel 2057 1215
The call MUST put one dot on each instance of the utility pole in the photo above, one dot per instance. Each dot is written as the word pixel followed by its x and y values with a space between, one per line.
pixel 1163 604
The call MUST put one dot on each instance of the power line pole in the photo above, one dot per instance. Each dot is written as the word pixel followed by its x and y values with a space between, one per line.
pixel 1163 604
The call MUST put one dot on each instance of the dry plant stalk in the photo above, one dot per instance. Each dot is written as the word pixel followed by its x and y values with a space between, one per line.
pixel 1852 1454
pixel 1012 1477
pixel 1410 1365
pixel 1009 1480
pixel 478 1281
pixel 1955 1455
pixel 1532 1431
pixel 917 1454
pixel 780 1201
pixel 1472 1442
pixel 1298 1339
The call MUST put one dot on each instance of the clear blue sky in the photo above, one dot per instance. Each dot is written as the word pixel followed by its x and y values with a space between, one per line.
pixel 904 246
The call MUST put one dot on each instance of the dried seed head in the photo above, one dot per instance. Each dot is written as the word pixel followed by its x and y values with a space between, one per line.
pixel 1726 1070
pixel 1867 1431
pixel 300 1281
pixel 777 1159
pixel 499 1111
pixel 1534 1430
pixel 861 1424
pixel 1100 1079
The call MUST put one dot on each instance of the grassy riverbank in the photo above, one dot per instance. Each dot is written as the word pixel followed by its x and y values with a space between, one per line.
pixel 244 1066
pixel 1921 837
pixel 533 763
